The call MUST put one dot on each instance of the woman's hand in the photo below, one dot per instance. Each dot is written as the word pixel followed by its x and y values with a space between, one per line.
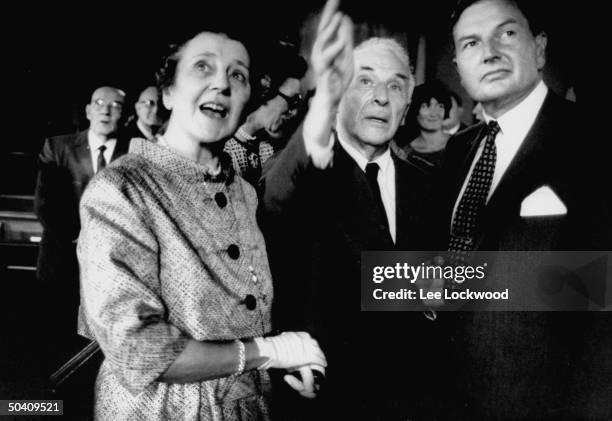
pixel 290 350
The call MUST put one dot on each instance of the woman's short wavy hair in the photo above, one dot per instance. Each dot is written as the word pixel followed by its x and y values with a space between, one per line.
pixel 424 93
pixel 166 74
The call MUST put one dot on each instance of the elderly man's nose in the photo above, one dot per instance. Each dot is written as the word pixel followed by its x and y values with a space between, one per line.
pixel 381 96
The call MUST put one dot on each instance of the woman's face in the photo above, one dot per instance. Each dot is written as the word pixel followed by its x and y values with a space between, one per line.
pixel 211 87
pixel 431 115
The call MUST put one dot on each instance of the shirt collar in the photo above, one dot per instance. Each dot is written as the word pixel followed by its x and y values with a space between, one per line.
pixel 96 141
pixel 517 121
pixel 384 160
pixel 453 129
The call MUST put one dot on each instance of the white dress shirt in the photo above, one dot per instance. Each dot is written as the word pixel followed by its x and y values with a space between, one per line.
pixel 514 126
pixel 452 130
pixel 95 142
pixel 322 158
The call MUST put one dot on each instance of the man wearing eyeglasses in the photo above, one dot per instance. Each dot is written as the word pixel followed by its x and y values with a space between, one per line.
pixel 147 120
pixel 66 164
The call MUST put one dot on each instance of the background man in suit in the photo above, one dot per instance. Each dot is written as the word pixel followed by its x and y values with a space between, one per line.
pixel 147 119
pixel 66 164
pixel 337 190
pixel 522 364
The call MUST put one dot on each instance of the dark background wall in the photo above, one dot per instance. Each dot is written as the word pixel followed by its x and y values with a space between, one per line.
pixel 57 55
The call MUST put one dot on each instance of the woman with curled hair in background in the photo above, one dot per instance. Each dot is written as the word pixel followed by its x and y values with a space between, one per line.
pixel 176 286
pixel 430 105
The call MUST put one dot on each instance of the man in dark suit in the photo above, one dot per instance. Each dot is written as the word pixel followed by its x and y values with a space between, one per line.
pixel 337 190
pixel 516 182
pixel 66 164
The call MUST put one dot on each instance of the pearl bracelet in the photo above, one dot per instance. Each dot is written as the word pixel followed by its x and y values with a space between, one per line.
pixel 241 356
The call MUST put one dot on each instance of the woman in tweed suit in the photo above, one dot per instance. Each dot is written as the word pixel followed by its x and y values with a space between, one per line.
pixel 176 286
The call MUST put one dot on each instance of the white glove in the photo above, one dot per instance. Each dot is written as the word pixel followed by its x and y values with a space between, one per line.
pixel 306 387
pixel 290 350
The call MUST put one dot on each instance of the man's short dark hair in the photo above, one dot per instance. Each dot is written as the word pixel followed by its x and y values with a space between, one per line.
pixel 456 97
pixel 166 73
pixel 532 10
pixel 424 93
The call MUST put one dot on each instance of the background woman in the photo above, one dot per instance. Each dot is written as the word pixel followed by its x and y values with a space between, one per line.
pixel 176 286
pixel 431 103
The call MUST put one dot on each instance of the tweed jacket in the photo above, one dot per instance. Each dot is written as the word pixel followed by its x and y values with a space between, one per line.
pixel 169 253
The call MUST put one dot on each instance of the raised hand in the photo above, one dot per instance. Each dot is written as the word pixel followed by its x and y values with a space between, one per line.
pixel 332 62
pixel 332 54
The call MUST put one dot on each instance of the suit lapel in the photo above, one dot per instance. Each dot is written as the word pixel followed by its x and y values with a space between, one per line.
pixel 121 147
pixel 83 154
pixel 524 174
pixel 407 202
pixel 358 215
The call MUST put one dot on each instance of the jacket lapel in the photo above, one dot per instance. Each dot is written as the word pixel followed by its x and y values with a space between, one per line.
pixel 359 217
pixel 121 147
pixel 83 155
pixel 524 174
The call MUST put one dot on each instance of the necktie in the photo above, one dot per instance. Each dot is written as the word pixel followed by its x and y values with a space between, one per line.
pixel 372 176
pixel 474 197
pixel 101 160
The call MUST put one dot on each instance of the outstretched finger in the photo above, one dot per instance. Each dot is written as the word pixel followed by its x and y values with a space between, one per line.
pixel 325 37
pixel 328 11
pixel 345 62
pixel 335 51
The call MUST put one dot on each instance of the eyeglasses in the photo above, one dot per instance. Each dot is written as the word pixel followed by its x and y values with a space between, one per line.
pixel 149 103
pixel 100 104
pixel 293 101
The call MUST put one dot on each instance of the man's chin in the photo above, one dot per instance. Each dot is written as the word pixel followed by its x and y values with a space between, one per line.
pixel 376 137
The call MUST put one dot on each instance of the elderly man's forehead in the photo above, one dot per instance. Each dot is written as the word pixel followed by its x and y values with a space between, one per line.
pixel 108 92
pixel 380 57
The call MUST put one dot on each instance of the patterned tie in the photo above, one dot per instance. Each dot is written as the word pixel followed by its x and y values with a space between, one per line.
pixel 372 176
pixel 474 198
pixel 101 160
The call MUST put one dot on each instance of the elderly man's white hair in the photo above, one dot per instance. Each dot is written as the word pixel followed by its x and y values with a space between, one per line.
pixel 396 48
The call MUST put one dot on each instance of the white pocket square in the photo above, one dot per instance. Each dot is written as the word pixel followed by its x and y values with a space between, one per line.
pixel 543 202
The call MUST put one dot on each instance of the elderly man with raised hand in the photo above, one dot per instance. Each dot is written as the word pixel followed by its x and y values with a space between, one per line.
pixel 337 190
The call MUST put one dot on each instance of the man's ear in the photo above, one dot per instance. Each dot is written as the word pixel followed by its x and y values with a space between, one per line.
pixel 404 114
pixel 88 111
pixel 540 41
